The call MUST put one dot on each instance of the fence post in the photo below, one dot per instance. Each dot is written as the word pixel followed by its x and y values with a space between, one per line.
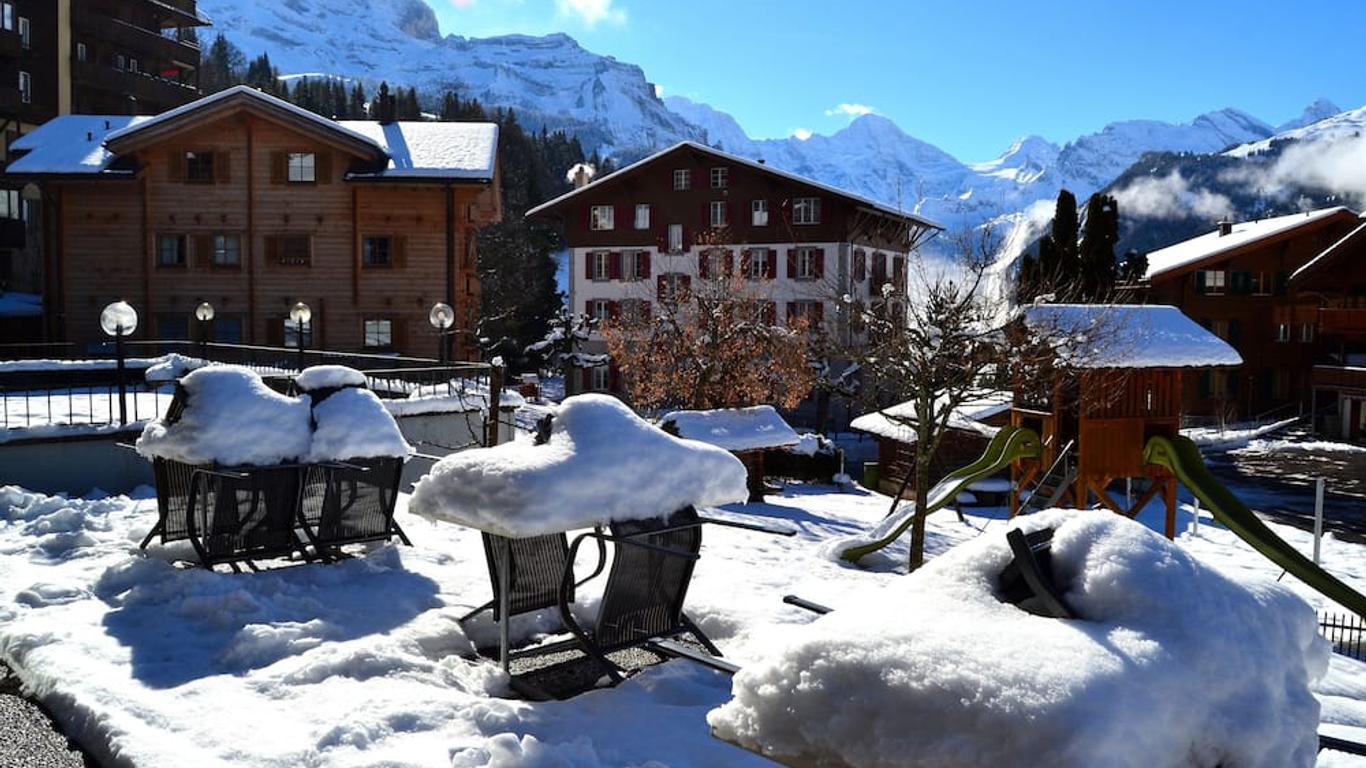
pixel 495 400
pixel 1195 516
pixel 1318 517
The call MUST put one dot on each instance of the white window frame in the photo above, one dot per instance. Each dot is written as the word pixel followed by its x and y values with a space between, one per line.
pixel 1213 286
pixel 82 52
pixel 682 179
pixel 1282 332
pixel 806 210
pixel 716 214
pixel 602 266
pixel 9 204
pixel 132 65
pixel 675 238
pixel 227 249
pixel 630 266
pixel 600 378
pixel 672 284
pixel 25 87
pixel 1306 332
pixel 758 263
pixel 803 308
pixel 602 218
pixel 806 263
pixel 642 216
pixel 7 16
pixel 601 310
pixel 720 177
pixel 758 213
pixel 301 167
pixel 25 32
pixel 378 332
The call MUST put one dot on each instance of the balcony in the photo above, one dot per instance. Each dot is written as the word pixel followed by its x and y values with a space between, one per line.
pixel 12 233
pixel 1342 322
pixel 1341 377
pixel 153 94
pixel 146 44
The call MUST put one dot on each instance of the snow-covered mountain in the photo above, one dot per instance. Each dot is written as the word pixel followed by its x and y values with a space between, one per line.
pixel 1319 110
pixel 613 108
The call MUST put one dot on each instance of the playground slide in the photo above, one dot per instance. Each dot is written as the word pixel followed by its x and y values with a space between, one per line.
pixel 1184 460
pixel 1009 444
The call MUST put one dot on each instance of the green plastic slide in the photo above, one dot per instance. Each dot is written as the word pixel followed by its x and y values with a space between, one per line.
pixel 1183 458
pixel 1009 444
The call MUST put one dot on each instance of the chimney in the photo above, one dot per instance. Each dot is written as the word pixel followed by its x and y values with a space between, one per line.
pixel 1225 227
pixel 580 175
pixel 761 161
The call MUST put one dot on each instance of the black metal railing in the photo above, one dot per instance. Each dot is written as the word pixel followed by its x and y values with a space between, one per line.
pixel 1347 633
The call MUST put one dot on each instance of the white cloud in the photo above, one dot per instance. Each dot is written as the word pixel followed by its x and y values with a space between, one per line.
pixel 1334 165
pixel 591 12
pixel 850 111
pixel 1169 197
pixel 801 134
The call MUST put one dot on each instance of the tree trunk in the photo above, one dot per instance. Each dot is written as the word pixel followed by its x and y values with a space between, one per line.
pixel 922 492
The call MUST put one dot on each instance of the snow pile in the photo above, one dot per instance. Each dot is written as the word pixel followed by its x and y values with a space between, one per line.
pixel 352 423
pixel 1234 435
pixel 231 417
pixel 1307 446
pixel 1173 664
pixel 328 377
pixel 170 368
pixel 601 463
pixel 735 429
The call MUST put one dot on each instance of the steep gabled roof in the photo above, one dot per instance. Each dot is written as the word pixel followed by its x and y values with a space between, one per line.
pixel 1246 235
pixel 1332 253
pixel 620 173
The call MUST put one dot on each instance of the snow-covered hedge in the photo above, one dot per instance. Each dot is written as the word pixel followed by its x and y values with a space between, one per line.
pixel 232 418
pixel 1174 664
pixel 601 463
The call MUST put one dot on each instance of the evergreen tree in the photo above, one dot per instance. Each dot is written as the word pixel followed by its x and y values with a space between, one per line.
pixel 263 75
pixel 1058 262
pixel 355 104
pixel 1096 257
pixel 222 67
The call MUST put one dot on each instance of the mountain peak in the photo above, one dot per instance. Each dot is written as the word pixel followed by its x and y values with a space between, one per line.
pixel 1317 110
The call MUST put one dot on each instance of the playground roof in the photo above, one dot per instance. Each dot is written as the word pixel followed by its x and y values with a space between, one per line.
pixel 895 422
pixel 1130 336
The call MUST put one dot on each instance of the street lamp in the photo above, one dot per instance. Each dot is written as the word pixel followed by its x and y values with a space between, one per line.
pixel 119 320
pixel 301 315
pixel 204 314
pixel 442 317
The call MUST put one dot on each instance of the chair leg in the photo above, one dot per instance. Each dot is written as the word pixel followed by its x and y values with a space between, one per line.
pixel 696 632
pixel 158 528
pixel 403 537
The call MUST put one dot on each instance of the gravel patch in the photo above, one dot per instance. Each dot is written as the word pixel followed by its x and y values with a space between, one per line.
pixel 28 737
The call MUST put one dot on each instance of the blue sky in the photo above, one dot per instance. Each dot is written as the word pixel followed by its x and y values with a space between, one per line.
pixel 967 76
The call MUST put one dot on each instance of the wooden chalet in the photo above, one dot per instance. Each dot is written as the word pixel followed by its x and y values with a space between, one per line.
pixel 1335 283
pixel 1119 384
pixel 251 204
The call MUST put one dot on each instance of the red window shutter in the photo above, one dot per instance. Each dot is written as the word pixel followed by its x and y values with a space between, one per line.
pixel 820 263
pixel 704 265
pixel 585 379
pixel 588 265
pixel 791 264
pixel 687 238
pixel 660 289
pixel 730 263
pixel 643 265
pixel 620 218
pixel 614 265
pixel 613 378
pixel 791 312
pixel 817 313
pixel 730 214
pixel 685 283
pixel 588 307
pixel 613 310
pixel 772 270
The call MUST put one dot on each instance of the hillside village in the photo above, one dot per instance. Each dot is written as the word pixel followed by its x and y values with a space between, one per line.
pixel 352 414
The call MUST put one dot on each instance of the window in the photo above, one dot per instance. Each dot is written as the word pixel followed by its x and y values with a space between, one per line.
pixel 601 378
pixel 25 33
pixel 672 285
pixel 1211 281
pixel 675 238
pixel 1260 284
pixel 637 265
pixel 132 65
pixel 600 309
pixel 758 213
pixel 290 250
pixel 173 326
pixel 199 167
pixel 292 333
pixel 379 333
pixel 600 217
pixel 806 263
pixel 1282 331
pixel 602 266
pixel 171 251
pixel 227 250
pixel 635 310
pixel 860 269
pixel 642 216
pixel 377 251
pixel 82 53
pixel 9 204
pixel 25 87
pixel 718 213
pixel 682 179
pixel 806 210
pixel 719 178
pixel 810 311
pixel 121 62
pixel 7 16
pixel 302 167
pixel 1306 332
pixel 227 329
pixel 758 264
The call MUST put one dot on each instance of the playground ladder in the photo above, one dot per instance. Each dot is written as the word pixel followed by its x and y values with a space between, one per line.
pixel 1054 483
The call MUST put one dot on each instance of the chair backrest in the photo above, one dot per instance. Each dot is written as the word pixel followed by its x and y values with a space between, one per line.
pixel 346 505
pixel 537 569
pixel 646 587
pixel 241 518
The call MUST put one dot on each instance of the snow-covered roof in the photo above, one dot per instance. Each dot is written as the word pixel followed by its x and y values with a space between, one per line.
pixel 1333 251
pixel 602 463
pixel 968 678
pixel 1130 336
pixel 419 149
pixel 1244 233
pixel 80 144
pixel 735 429
pixel 893 422
pixel 879 207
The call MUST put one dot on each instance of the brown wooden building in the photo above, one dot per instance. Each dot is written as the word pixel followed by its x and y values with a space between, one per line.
pixel 1235 281
pixel 247 202
pixel 1335 282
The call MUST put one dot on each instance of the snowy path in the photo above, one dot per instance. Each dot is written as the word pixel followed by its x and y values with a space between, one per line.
pixel 358 663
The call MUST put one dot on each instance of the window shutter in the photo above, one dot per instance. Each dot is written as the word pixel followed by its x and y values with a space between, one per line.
pixel 175 165
pixel 771 312
pixel 322 167
pixel 791 312
pixel 685 283
pixel 279 167
pixel 772 269
pixel 643 265
pixel 222 167
pixel 728 267
pixel 614 265
pixel 820 263
pixel 588 265
pixel 817 313
pixel 1282 280
pixel 687 238
pixel 588 307
pixel 660 289
pixel 585 379
pixel 613 310
pixel 399 245
pixel 704 265
pixel 203 250
pixel 791 267
pixel 1199 281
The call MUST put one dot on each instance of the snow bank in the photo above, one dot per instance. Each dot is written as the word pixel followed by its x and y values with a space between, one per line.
pixel 735 429
pixel 1174 664
pixel 601 463
pixel 170 368
pixel 231 417
pixel 353 423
